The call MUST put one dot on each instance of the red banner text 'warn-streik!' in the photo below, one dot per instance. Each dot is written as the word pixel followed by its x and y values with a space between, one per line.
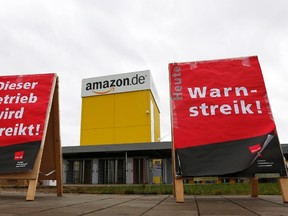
pixel 217 101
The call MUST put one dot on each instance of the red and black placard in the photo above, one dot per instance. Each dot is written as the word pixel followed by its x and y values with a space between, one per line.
pixel 24 101
pixel 221 119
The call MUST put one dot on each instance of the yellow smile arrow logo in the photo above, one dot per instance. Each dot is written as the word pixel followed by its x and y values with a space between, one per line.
pixel 104 92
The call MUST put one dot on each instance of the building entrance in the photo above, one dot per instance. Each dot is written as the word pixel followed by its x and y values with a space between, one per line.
pixel 79 172
pixel 139 171
pixel 112 171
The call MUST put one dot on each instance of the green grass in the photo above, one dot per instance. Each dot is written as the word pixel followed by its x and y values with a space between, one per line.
pixel 189 189
pixel 121 189
pixel 195 189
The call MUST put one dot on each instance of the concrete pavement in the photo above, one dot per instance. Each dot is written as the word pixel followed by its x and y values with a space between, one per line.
pixel 48 204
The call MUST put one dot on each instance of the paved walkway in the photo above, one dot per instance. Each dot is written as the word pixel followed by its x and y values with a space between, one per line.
pixel 46 204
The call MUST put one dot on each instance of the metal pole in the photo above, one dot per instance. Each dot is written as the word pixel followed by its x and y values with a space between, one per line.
pixel 126 166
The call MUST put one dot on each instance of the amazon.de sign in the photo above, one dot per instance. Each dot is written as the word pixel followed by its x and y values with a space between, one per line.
pixel 119 83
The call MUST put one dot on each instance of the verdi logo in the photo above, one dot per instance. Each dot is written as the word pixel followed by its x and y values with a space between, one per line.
pixel 107 86
pixel 19 155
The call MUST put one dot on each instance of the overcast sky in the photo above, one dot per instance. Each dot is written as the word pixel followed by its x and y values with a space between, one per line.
pixel 80 39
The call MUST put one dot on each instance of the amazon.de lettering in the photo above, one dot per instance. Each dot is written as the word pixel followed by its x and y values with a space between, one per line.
pixel 112 83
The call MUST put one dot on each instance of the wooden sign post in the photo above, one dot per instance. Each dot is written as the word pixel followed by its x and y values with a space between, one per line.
pixel 31 133
pixel 283 183
pixel 222 124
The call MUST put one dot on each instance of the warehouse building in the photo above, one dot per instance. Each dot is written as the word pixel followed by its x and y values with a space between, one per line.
pixel 120 133
pixel 139 163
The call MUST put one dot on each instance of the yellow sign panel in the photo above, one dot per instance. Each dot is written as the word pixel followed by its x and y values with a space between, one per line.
pixel 124 117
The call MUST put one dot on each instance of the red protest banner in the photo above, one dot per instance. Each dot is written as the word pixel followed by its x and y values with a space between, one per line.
pixel 206 93
pixel 221 117
pixel 24 102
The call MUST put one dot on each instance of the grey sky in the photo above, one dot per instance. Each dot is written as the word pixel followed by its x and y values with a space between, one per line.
pixel 88 38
